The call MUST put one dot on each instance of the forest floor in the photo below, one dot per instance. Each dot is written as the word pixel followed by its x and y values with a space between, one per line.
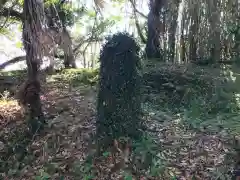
pixel 171 149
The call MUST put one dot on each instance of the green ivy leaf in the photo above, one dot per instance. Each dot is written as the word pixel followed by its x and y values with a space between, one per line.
pixel 19 44
pixel 91 13
pixel 128 177
pixel 89 177
pixel 174 178
pixel 38 178
pixel 116 18
pixel 106 154
pixel 20 2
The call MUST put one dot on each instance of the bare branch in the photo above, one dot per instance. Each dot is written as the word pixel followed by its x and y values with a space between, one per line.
pixel 3 2
pixel 136 10
pixel 143 39
pixel 6 12
pixel 12 61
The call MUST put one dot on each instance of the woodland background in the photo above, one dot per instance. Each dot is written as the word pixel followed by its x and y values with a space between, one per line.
pixel 189 54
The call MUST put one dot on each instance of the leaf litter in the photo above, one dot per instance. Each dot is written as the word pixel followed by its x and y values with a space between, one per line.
pixel 67 142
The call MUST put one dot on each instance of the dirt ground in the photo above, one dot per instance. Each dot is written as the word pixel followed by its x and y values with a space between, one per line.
pixel 60 152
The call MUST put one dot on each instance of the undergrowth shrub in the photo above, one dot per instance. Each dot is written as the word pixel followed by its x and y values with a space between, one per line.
pixel 78 76
pixel 184 86
pixel 118 106
pixel 15 73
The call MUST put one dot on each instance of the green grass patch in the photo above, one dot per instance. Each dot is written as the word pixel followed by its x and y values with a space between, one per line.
pixel 205 99
pixel 15 73
pixel 77 77
pixel 209 115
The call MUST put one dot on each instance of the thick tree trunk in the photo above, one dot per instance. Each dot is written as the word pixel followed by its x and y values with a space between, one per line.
pixel 153 35
pixel 66 45
pixel 214 20
pixel 33 11
pixel 193 33
pixel 236 33
pixel 182 48
pixel 153 43
pixel 172 32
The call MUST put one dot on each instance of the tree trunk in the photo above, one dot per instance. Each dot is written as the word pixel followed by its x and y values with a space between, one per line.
pixel 214 20
pixel 66 45
pixel 163 37
pixel 182 48
pixel 63 37
pixel 153 42
pixel 172 31
pixel 193 34
pixel 236 33
pixel 50 69
pixel 33 12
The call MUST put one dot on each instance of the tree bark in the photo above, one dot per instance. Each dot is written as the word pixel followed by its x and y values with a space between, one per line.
pixel 32 25
pixel 22 58
pixel 153 42
pixel 153 35
pixel 172 31
pixel 214 20
pixel 193 32
pixel 65 43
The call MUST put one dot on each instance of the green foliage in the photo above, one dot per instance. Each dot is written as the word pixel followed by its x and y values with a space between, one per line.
pixel 149 153
pixel 49 2
pixel 91 13
pixel 105 154
pixel 119 89
pixel 127 176
pixel 19 44
pixel 21 2
pixel 119 1
pixel 209 103
pixel 146 155
pixel 233 28
pixel 66 11
pixel 78 76
pixel 5 31
pixel 15 73
pixel 15 156
pixel 209 89
pixel 116 18
pixel 43 176
pixel 103 26
pixel 84 170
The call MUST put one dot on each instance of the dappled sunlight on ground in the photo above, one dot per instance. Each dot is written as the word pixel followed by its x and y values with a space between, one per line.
pixel 67 132
pixel 190 152
pixel 10 112
pixel 60 151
